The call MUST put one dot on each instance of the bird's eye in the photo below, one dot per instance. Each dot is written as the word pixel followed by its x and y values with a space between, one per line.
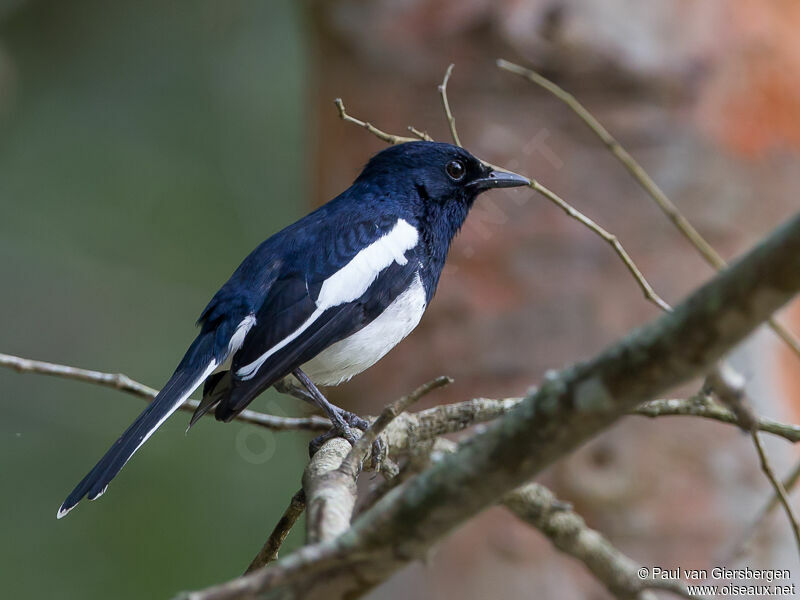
pixel 455 170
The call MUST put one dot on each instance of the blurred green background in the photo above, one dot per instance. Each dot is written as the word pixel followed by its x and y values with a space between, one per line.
pixel 145 148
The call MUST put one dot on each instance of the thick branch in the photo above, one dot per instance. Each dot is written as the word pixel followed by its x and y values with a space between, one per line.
pixel 330 494
pixel 570 408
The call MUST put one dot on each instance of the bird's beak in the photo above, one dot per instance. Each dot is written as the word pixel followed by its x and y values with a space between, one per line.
pixel 498 179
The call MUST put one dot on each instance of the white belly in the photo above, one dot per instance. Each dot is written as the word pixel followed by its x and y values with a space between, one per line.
pixel 354 354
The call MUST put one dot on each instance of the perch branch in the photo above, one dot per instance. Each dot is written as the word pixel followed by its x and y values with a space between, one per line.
pixel 329 480
pixel 330 494
pixel 351 464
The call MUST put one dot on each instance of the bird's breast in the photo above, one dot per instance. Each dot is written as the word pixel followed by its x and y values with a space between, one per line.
pixel 352 355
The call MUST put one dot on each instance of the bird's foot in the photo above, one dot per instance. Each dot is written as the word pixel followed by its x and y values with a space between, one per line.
pixel 333 432
pixel 353 419
pixel 343 426
pixel 340 428
pixel 378 446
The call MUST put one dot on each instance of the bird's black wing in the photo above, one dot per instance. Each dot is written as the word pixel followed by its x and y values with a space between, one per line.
pixel 301 317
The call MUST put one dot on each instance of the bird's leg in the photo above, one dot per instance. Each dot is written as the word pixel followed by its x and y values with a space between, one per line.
pixel 285 386
pixel 340 425
pixel 341 419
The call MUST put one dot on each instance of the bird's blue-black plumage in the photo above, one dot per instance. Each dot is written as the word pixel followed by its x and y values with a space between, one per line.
pixel 276 288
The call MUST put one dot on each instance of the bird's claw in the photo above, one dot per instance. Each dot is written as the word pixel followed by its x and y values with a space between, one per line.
pixel 337 431
pixel 343 427
pixel 354 420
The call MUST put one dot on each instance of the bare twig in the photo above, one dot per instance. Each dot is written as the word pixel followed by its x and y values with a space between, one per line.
pixel 699 406
pixel 386 137
pixel 426 424
pixel 728 386
pixel 777 486
pixel 740 546
pixel 113 380
pixel 669 209
pixel 352 462
pixel 269 551
pixel 451 121
pixel 609 238
pixel 423 135
pixel 124 383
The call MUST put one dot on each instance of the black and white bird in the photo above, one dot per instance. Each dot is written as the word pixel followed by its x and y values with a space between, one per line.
pixel 323 299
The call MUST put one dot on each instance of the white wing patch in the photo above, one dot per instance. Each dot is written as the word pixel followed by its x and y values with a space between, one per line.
pixel 352 355
pixel 237 339
pixel 350 282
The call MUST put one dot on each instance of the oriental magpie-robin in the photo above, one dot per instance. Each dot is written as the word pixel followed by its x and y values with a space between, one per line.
pixel 323 299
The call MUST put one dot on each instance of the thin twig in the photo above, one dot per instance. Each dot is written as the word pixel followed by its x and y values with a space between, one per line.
pixel 740 546
pixel 423 135
pixel 698 406
pixel 121 382
pixel 386 137
pixel 780 491
pixel 728 386
pixel 451 121
pixel 269 551
pixel 113 380
pixel 668 207
pixel 352 462
pixel 609 238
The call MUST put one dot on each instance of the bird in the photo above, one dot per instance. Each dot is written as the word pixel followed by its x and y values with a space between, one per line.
pixel 323 299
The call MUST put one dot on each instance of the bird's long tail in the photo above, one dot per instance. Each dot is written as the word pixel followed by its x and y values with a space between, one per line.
pixel 193 370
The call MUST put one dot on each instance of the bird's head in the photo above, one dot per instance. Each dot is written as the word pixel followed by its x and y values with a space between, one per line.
pixel 441 174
